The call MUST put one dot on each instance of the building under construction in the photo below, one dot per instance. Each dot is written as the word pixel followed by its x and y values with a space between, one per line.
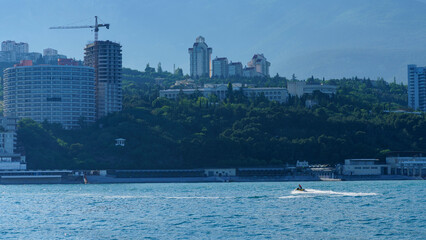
pixel 106 58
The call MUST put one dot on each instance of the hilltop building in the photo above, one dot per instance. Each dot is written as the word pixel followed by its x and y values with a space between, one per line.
pixel 9 159
pixel 249 72
pixel 200 58
pixel 51 56
pixel 106 58
pixel 299 88
pixel 220 90
pixel 260 65
pixel 235 69
pixel 417 87
pixel 62 94
pixel 220 67
pixel 12 52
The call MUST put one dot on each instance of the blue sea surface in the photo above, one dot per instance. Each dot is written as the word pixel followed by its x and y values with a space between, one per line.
pixel 328 210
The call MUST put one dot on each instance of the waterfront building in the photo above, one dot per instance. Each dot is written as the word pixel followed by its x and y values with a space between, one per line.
pixel 362 167
pixel 106 58
pixel 260 64
pixel 220 67
pixel 235 69
pixel 417 87
pixel 62 94
pixel 407 163
pixel 199 58
pixel 9 159
pixel 220 90
pixel 299 88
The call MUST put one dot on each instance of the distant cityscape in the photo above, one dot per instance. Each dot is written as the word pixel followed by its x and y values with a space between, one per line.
pixel 201 64
pixel 51 87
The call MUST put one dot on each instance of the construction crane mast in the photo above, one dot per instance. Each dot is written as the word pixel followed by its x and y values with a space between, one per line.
pixel 96 27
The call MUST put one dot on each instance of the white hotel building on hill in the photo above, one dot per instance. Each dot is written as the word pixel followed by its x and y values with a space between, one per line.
pixel 273 94
pixel 57 93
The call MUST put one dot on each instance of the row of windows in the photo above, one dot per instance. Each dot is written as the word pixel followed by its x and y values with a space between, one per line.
pixel 57 80
pixel 62 69
pixel 36 112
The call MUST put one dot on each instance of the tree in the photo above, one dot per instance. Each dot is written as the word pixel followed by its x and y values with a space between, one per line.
pixel 159 69
pixel 230 93
pixel 178 72
pixel 149 69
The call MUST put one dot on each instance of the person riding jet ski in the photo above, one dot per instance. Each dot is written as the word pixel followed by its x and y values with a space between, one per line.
pixel 300 188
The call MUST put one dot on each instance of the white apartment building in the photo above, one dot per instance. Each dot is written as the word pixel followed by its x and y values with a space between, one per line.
pixel 417 87
pixel 10 46
pixel 16 51
pixel 106 58
pixel 220 67
pixel 200 58
pixel 299 88
pixel 56 93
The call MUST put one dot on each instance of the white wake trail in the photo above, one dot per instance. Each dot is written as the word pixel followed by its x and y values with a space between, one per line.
pixel 330 192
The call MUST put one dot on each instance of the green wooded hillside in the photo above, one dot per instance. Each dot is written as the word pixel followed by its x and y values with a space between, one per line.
pixel 194 131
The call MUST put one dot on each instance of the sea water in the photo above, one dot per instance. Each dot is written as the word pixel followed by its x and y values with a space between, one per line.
pixel 327 210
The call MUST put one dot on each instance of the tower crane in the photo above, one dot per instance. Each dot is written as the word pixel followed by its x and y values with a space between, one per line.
pixel 96 27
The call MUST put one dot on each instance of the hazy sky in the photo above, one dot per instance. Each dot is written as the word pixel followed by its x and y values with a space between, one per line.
pixel 298 37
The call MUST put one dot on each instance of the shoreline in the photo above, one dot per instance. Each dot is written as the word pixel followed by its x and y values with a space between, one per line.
pixel 111 179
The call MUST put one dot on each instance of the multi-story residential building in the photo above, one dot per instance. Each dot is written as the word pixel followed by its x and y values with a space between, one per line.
pixel 299 88
pixel 51 56
pixel 16 50
pixel 220 67
pixel 417 87
pixel 50 52
pixel 260 64
pixel 200 58
pixel 9 159
pixel 106 58
pixel 235 69
pixel 57 93
pixel 249 72
pixel 220 90
pixel 10 46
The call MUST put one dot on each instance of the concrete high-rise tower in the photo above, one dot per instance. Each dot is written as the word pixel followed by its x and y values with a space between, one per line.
pixel 106 58
pixel 417 87
pixel 200 58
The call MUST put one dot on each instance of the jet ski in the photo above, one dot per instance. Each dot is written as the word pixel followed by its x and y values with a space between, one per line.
pixel 300 188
